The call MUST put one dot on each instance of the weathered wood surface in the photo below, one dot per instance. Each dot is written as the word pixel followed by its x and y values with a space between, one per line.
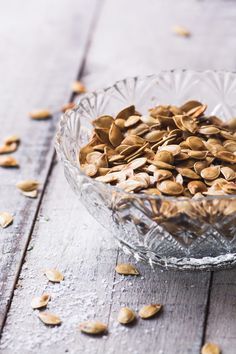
pixel 41 49
pixel 130 38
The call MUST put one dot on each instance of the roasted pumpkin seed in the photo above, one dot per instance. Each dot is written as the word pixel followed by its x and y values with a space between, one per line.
pixel 40 301
pixel 54 275
pixel 149 311
pixel 93 327
pixel 126 269
pixel 126 315
pixel 5 219
pixel 210 348
pixel 49 318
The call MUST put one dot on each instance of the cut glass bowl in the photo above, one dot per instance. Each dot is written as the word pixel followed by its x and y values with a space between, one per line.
pixel 165 231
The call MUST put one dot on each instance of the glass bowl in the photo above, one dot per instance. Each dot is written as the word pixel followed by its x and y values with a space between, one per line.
pixel 177 233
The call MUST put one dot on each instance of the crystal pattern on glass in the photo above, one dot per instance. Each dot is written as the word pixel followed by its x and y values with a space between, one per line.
pixel 171 232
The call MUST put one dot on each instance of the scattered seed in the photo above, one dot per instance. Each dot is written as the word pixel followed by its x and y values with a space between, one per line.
pixel 40 301
pixel 8 148
pixel 126 269
pixel 210 348
pixel 126 315
pixel 149 311
pixel 8 161
pixel 5 219
pixel 181 31
pixel 40 114
pixel 28 185
pixel 67 106
pixel 49 318
pixel 93 327
pixel 54 275
pixel 78 87
pixel 12 139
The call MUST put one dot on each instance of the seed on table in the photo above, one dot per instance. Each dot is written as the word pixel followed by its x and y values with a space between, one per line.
pixel 8 162
pixel 40 301
pixel 49 318
pixel 12 139
pixel 149 311
pixel 78 87
pixel 93 327
pixel 40 114
pixel 126 315
pixel 27 185
pixel 30 194
pixel 8 148
pixel 181 31
pixel 54 275
pixel 210 348
pixel 126 269
pixel 5 219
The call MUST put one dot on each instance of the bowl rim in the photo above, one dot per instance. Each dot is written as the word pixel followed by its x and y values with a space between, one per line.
pixel 134 195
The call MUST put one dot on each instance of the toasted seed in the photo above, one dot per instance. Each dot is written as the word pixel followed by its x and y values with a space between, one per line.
pixel 226 156
pixel 103 135
pixel 7 148
pixel 199 166
pixel 90 169
pixel 198 155
pixel 181 31
pixel 120 123
pixel 126 112
pixel 67 106
pixel 154 136
pixel 12 139
pixel 40 301
pixel 132 120
pixel 150 121
pixel 173 149
pixel 187 172
pixel 49 318
pixel 211 172
pixel 149 311
pixel 93 327
pixel 197 111
pixel 108 178
pixel 103 122
pixel 126 315
pixel 195 143
pixel 170 188
pixel 40 114
pixel 137 163
pixel 126 269
pixel 164 156
pixel 228 173
pixel 210 348
pixel 230 145
pixel 189 105
pixel 78 87
pixel 208 130
pixel 196 187
pixel 8 161
pixel 5 219
pixel 115 135
pixel 27 185
pixel 54 275
pixel 161 175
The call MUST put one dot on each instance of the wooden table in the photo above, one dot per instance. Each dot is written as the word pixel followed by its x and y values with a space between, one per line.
pixel 44 46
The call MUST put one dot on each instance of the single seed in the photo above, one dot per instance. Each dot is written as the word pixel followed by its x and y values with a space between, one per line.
pixel 40 301
pixel 5 219
pixel 126 315
pixel 54 275
pixel 211 172
pixel 210 348
pixel 170 188
pixel 28 185
pixel 67 106
pixel 49 318
pixel 78 87
pixel 40 114
pixel 8 148
pixel 93 327
pixel 8 161
pixel 149 311
pixel 12 139
pixel 181 31
pixel 126 269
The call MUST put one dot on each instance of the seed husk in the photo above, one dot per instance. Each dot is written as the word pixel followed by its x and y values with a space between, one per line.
pixel 8 161
pixel 126 112
pixel 181 31
pixel 228 173
pixel 49 318
pixel 132 120
pixel 40 301
pixel 161 175
pixel 103 122
pixel 197 187
pixel 210 348
pixel 8 148
pixel 90 169
pixel 12 139
pixel 5 219
pixel 78 87
pixel 126 269
pixel 27 185
pixel 93 327
pixel 149 311
pixel 170 188
pixel 164 156
pixel 126 315
pixel 40 114
pixel 210 173
pixel 187 172
pixel 115 135
pixel 54 275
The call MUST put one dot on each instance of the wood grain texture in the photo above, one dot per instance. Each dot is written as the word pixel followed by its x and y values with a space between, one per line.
pixel 131 38
pixel 42 46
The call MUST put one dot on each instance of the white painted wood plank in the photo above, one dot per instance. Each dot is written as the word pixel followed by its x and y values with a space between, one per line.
pixel 41 49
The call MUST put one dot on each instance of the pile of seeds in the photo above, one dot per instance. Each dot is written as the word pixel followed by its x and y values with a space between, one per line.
pixel 173 151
